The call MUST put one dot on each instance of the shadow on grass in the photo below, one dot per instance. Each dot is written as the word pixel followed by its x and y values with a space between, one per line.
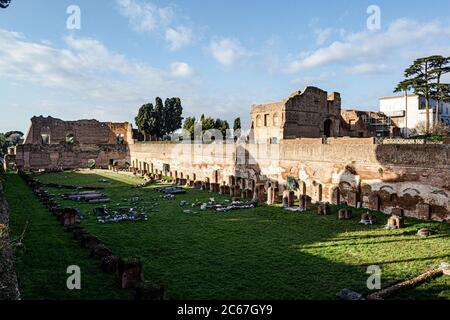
pixel 194 257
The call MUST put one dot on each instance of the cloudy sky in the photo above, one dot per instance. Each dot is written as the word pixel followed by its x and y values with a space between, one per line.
pixel 218 56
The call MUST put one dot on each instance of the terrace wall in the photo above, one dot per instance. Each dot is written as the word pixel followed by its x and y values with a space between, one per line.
pixel 413 178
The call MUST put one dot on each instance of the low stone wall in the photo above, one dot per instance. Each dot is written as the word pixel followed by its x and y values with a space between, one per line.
pixel 410 179
pixel 62 156
pixel 9 289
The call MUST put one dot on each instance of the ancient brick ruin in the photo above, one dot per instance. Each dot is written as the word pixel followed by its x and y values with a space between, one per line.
pixel 55 144
pixel 410 179
pixel 314 113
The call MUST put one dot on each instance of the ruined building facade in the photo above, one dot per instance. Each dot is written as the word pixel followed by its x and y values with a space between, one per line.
pixel 312 113
pixel 315 113
pixel 56 144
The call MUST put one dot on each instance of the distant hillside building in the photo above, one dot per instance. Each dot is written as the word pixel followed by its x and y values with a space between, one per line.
pixel 409 111
pixel 365 124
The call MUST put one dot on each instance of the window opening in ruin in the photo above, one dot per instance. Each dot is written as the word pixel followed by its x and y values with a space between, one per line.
pixel 120 138
pixel 91 164
pixel 70 138
pixel 45 139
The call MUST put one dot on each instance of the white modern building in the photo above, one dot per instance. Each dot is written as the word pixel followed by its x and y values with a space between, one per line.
pixel 408 111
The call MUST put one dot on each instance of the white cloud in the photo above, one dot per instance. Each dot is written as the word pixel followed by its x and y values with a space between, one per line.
pixel 85 79
pixel 323 35
pixel 86 69
pixel 368 68
pixel 178 37
pixel 181 69
pixel 367 46
pixel 227 51
pixel 145 16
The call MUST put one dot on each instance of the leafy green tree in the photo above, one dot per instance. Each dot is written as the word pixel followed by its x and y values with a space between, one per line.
pixel 159 116
pixel 208 123
pixel 9 139
pixel 440 91
pixel 422 77
pixel 237 124
pixel 189 125
pixel 173 111
pixel 4 3
pixel 222 126
pixel 3 145
pixel 145 121
pixel 14 137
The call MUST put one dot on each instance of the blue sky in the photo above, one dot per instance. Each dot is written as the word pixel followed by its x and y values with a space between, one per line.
pixel 219 57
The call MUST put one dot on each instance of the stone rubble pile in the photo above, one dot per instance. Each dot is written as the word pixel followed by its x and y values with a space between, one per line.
pixel 87 196
pixel 105 215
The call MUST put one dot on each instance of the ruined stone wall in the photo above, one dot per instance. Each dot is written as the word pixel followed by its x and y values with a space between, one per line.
pixel 413 178
pixel 56 144
pixel 83 131
pixel 307 112
pixel 312 113
pixel 61 156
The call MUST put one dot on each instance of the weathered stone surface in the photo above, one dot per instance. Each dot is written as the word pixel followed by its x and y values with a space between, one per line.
pixel 395 222
pixel 109 264
pixel 423 211
pixel 344 214
pixel 129 273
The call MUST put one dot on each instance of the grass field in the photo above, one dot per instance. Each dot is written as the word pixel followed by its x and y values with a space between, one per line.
pixel 263 253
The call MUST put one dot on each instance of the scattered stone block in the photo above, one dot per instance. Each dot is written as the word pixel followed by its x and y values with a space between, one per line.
pixel 424 232
pixel 347 294
pixel 374 202
pixel 345 214
pixel 100 251
pixel 395 222
pixel 368 219
pixel 270 196
pixel 445 266
pixel 78 233
pixel 305 202
pixel 397 212
pixel 352 199
pixel 423 211
pixel 129 273
pixel 276 195
pixel 323 209
pixel 89 241
pixel 285 199
pixel 109 264
pixel 291 199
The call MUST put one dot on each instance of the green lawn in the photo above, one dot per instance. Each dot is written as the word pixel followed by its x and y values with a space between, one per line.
pixel 263 253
